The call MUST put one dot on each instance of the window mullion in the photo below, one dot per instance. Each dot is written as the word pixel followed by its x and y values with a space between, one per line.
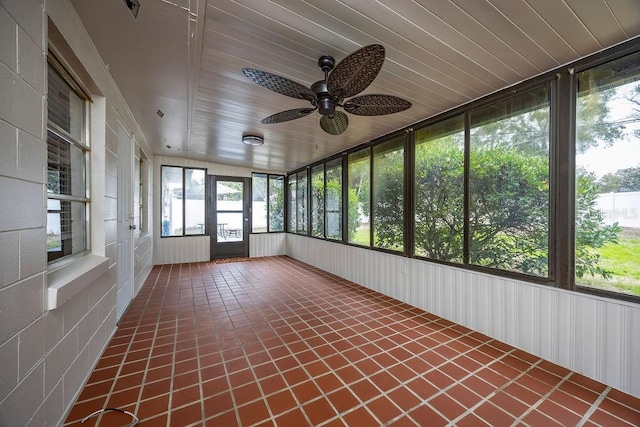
pixel 466 199
pixel 563 162
pixel 409 193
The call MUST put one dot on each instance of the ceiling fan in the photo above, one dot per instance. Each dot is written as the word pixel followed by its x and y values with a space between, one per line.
pixel 351 76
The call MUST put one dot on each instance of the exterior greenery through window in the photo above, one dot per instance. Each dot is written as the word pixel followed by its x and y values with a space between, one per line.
pixel 276 203
pixel 607 176
pixel 291 204
pixel 326 200
pixel 439 190
pixel 509 184
pixel 183 196
pixel 359 203
pixel 488 183
pixel 301 202
pixel 388 194
pixel 267 203
pixel 333 199
pixel 317 201
pixel 67 165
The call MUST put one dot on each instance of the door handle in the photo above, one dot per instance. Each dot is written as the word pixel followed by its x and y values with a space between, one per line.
pixel 132 227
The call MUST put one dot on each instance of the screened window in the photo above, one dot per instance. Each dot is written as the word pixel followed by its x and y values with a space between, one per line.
pixel 388 194
pixel 276 203
pixel 607 177
pixel 439 190
pixel 67 165
pixel 259 198
pixel 359 199
pixel 333 199
pixel 301 202
pixel 509 184
pixel 183 210
pixel 291 204
pixel 317 201
pixel 267 203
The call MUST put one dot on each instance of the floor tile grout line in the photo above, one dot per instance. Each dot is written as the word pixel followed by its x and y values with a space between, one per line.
pixel 312 379
pixel 493 393
pixel 203 415
pixel 544 398
pixel 230 388
pixel 399 346
pixel 155 335
pixel 175 338
pixel 363 403
pixel 117 374
pixel 443 390
pixel 593 407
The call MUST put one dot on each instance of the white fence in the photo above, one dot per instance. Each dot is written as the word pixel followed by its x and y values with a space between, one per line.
pixel 623 208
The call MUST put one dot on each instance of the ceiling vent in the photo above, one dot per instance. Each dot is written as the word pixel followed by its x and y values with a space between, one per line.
pixel 134 7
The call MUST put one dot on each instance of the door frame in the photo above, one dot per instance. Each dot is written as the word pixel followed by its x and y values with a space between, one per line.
pixel 219 250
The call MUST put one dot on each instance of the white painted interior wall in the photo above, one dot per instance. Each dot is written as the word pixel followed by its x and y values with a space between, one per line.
pixel 46 356
pixel 594 336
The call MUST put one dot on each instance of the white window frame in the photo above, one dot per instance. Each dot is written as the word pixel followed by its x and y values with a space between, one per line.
pixel 79 235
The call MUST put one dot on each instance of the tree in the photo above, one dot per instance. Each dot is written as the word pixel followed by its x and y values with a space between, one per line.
pixel 509 210
pixel 388 201
pixel 276 205
pixel 622 180
pixel 633 97
pixel 439 199
pixel 327 203
pixel 508 191
pixel 359 172
pixel 591 232
pixel 593 126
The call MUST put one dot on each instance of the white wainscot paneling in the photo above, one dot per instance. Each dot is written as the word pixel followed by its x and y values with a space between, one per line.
pixel 173 250
pixel 267 244
pixel 594 336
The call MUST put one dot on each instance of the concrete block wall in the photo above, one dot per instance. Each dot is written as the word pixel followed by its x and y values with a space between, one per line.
pixel 23 320
pixel 46 356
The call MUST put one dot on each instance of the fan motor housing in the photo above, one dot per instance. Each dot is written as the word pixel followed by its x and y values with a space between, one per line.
pixel 326 105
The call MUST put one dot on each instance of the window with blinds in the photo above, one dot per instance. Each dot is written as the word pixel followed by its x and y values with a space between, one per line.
pixel 67 165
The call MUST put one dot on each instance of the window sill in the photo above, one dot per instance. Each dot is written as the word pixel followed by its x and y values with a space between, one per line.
pixel 67 281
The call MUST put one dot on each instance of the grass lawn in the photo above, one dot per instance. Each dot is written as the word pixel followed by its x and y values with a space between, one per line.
pixel 361 236
pixel 623 259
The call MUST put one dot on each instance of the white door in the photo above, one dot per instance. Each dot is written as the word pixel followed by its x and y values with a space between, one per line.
pixel 125 222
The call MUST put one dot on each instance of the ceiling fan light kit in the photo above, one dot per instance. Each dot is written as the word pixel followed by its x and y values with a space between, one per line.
pixel 351 76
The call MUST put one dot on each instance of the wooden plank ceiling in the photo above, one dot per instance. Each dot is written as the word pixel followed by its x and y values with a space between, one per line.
pixel 185 58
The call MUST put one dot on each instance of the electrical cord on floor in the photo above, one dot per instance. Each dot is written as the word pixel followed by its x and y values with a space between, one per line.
pixel 99 411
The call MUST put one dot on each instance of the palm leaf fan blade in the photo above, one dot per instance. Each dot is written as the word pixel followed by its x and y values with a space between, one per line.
pixel 279 84
pixel 376 105
pixel 334 124
pixel 356 72
pixel 285 116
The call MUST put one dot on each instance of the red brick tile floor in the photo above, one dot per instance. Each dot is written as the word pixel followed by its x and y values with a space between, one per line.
pixel 273 341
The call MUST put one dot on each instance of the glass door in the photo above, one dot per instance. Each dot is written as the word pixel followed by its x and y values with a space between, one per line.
pixel 231 209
